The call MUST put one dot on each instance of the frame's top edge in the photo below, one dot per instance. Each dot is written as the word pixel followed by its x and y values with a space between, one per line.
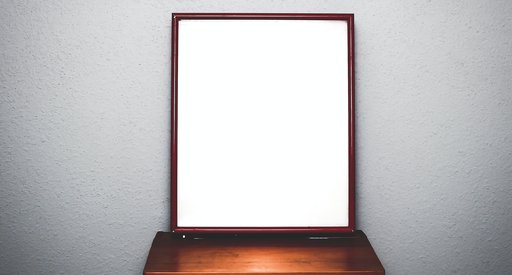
pixel 318 16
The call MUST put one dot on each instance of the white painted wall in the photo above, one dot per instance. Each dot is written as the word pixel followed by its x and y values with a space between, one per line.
pixel 84 122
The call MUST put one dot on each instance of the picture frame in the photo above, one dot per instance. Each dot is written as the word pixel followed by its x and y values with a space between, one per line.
pixel 262 123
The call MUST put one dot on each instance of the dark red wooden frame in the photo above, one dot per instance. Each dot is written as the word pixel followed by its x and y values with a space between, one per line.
pixel 176 17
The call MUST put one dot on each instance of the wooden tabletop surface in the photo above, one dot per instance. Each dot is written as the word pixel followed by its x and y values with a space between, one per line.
pixel 347 254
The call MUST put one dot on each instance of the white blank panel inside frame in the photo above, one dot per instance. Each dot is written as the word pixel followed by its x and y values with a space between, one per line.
pixel 262 123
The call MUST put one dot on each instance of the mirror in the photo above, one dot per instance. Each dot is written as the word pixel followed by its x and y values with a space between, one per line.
pixel 262 123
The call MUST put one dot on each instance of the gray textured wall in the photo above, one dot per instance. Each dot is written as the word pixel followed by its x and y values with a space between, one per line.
pixel 85 131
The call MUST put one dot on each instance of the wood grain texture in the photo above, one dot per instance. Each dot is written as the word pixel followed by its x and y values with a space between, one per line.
pixel 347 254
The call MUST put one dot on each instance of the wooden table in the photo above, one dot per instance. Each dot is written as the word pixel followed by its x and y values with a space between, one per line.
pixel 347 254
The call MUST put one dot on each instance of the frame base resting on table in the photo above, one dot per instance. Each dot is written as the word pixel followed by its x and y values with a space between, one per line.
pixel 350 253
